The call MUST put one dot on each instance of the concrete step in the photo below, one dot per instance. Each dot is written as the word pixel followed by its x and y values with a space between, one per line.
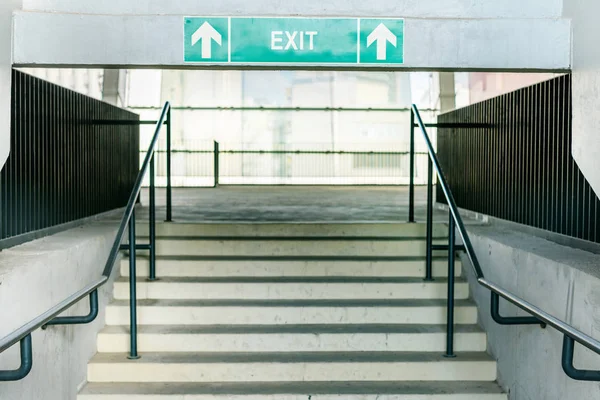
pixel 176 266
pixel 286 367
pixel 290 288
pixel 295 391
pixel 291 229
pixel 287 246
pixel 277 312
pixel 290 338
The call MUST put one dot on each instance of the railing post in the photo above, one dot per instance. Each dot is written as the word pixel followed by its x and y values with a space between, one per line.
pixel 450 309
pixel 429 239
pixel 133 354
pixel 411 185
pixel 152 227
pixel 169 188
pixel 216 161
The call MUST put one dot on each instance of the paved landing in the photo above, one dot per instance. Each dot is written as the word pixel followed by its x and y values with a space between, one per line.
pixel 292 203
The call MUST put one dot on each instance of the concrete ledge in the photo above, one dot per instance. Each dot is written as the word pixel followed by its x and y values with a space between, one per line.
pixel 27 237
pixel 35 276
pixel 562 281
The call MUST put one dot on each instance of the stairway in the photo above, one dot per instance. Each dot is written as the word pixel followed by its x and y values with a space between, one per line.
pixel 291 312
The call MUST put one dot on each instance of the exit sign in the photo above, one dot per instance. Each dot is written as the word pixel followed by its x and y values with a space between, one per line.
pixel 293 41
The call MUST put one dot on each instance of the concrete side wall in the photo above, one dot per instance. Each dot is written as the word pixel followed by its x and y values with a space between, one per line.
pixel 37 275
pixel 586 87
pixel 6 9
pixel 429 43
pixel 405 8
pixel 562 281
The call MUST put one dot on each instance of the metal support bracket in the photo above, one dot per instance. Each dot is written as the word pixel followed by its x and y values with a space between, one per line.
pixel 137 247
pixel 457 247
pixel 495 311
pixel 79 320
pixel 567 363
pixel 26 363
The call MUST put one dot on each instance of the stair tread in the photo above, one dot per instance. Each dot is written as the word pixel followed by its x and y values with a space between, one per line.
pixel 291 357
pixel 298 279
pixel 290 329
pixel 289 353
pixel 270 388
pixel 294 303
pixel 316 238
pixel 274 258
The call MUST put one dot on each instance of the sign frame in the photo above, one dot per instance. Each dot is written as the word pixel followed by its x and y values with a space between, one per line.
pixel 313 64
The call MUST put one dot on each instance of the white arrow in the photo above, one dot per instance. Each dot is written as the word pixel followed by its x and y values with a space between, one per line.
pixel 207 33
pixel 381 35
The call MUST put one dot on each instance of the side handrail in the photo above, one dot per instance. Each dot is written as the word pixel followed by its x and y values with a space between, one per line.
pixel 570 333
pixel 23 334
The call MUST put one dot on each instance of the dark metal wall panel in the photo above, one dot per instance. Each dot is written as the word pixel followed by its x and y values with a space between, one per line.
pixel 64 164
pixel 521 168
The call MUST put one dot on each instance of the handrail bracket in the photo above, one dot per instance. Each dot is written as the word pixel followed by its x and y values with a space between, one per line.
pixel 26 362
pixel 501 320
pixel 568 351
pixel 79 320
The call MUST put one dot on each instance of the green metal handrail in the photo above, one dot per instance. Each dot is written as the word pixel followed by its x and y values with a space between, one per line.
pixel 571 334
pixel 51 317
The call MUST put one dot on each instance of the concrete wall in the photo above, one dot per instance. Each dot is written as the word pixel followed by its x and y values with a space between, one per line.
pixel 6 9
pixel 586 86
pixel 562 281
pixel 37 275
pixel 406 8
pixel 114 86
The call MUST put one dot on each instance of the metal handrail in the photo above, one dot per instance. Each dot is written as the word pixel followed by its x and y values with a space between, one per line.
pixel 134 194
pixel 24 332
pixel 543 317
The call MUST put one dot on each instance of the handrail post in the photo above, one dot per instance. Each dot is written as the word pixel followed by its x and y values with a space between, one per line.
pixel 411 184
pixel 429 240
pixel 450 309
pixel 133 353
pixel 216 163
pixel 152 227
pixel 169 188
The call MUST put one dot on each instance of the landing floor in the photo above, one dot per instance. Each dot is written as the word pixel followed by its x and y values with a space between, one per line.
pixel 292 203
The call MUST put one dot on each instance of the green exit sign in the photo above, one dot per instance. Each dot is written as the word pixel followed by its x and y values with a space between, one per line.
pixel 293 41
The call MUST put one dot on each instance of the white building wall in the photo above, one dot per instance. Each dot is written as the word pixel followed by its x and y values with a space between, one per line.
pixel 586 87
pixel 318 130
pixel 6 10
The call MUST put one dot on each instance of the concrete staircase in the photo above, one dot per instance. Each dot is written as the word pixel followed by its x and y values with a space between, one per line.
pixel 291 312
